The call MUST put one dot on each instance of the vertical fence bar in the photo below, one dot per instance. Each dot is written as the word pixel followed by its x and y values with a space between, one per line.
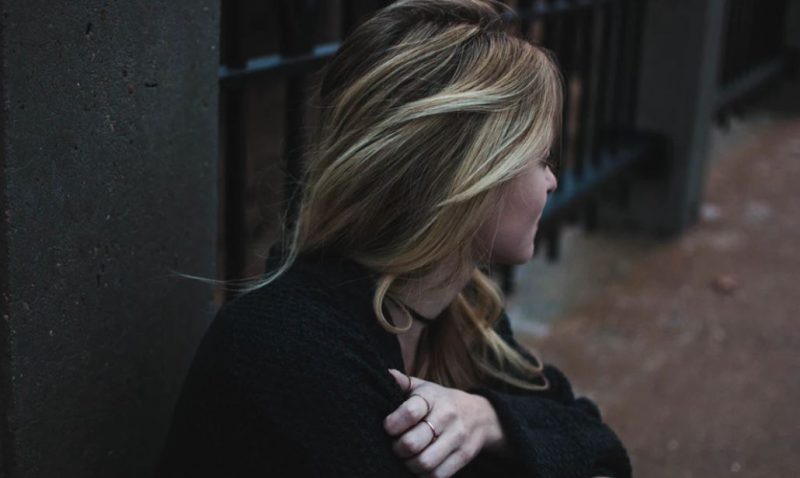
pixel 615 91
pixel 348 17
pixel 525 27
pixel 633 51
pixel 569 55
pixel 619 95
pixel 605 81
pixel 725 64
pixel 558 38
pixel 599 69
pixel 299 21
pixel 353 12
pixel 584 68
pixel 738 50
pixel 554 40
pixel 233 167
pixel 586 61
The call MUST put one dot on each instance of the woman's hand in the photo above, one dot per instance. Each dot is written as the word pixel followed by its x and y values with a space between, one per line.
pixel 464 423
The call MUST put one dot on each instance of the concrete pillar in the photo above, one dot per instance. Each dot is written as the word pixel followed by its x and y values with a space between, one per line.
pixel 107 181
pixel 793 24
pixel 680 57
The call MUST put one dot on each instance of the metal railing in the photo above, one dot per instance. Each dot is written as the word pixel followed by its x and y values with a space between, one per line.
pixel 754 48
pixel 596 43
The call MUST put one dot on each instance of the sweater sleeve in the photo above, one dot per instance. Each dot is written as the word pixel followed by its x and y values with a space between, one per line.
pixel 293 393
pixel 319 388
pixel 552 433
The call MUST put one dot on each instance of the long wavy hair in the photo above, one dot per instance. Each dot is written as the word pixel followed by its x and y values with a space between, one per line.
pixel 426 111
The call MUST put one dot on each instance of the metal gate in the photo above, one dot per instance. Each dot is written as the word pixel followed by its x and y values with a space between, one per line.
pixel 596 43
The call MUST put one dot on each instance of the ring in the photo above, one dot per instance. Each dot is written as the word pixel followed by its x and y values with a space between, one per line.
pixel 409 383
pixel 426 402
pixel 435 435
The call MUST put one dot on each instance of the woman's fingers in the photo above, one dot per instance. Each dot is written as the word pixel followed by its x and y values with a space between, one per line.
pixel 432 456
pixel 408 414
pixel 432 411
pixel 406 382
pixel 415 440
pixel 454 462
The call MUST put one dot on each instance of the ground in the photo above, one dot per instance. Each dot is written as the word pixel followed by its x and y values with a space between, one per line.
pixel 691 347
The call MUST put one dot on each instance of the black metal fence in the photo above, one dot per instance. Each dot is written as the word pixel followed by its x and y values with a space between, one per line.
pixel 754 48
pixel 268 50
pixel 276 45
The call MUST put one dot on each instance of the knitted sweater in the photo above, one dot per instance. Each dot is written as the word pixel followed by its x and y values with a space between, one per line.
pixel 291 380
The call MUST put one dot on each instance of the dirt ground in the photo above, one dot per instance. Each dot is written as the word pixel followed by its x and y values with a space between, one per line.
pixel 691 347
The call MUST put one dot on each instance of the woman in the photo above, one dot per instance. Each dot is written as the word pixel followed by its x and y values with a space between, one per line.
pixel 375 346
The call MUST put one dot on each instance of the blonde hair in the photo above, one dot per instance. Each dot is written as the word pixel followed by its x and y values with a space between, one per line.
pixel 426 110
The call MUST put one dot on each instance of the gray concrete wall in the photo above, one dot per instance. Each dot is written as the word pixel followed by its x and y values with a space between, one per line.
pixel 108 181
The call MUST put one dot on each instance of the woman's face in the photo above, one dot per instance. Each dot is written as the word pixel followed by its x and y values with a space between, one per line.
pixel 509 232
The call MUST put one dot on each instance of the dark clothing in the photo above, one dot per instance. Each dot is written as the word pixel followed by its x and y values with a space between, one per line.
pixel 292 380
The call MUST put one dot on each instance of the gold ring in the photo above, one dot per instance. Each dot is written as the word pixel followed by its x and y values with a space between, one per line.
pixel 426 402
pixel 435 435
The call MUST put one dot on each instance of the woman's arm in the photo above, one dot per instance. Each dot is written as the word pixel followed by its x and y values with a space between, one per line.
pixel 521 434
pixel 329 399
pixel 284 396
pixel 553 433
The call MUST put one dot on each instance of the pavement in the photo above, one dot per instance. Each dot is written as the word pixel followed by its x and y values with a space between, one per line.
pixel 691 347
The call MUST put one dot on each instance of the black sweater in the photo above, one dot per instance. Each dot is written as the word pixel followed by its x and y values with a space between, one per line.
pixel 292 380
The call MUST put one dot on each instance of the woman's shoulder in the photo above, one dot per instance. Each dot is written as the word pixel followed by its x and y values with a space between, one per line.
pixel 289 299
pixel 301 310
pixel 330 283
pixel 277 365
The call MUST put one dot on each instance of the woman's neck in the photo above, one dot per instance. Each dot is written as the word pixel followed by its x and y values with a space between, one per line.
pixel 427 296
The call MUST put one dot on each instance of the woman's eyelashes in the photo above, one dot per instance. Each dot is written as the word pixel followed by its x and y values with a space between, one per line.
pixel 547 161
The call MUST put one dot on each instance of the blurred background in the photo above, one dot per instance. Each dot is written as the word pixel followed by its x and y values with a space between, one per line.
pixel 144 137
